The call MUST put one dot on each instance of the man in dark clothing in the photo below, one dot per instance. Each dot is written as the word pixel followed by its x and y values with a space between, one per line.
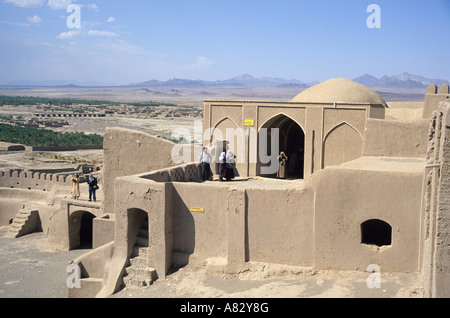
pixel 93 187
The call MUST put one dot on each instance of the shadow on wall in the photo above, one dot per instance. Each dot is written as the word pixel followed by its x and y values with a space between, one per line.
pixel 183 231
pixel 136 219
pixel 81 230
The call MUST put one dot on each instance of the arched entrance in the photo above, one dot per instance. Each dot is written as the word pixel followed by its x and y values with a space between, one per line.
pixel 81 230
pixel 291 141
pixel 138 229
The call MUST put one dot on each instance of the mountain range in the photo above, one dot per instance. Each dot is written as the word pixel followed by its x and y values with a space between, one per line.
pixel 404 80
pixel 242 80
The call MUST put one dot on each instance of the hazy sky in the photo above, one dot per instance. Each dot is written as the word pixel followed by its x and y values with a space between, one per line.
pixel 120 42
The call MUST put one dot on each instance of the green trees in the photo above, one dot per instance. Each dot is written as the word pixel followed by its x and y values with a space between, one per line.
pixel 29 100
pixel 46 138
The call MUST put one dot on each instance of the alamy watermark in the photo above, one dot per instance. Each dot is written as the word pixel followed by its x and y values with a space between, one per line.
pixel 374 279
pixel 74 20
pixel 374 20
pixel 258 144
pixel 74 277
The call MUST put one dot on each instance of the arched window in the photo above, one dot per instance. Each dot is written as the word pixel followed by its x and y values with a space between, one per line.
pixel 376 232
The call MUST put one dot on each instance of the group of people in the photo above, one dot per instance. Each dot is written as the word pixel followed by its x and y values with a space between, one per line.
pixel 93 187
pixel 227 164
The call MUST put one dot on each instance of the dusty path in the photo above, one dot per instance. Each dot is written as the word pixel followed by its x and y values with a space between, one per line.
pixel 27 271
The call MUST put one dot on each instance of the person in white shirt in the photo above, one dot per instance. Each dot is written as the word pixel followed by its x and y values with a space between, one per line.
pixel 205 160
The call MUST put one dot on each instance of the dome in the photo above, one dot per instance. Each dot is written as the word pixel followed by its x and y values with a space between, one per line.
pixel 339 90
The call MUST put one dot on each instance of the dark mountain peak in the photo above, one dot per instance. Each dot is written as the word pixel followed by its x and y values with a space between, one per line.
pixel 243 77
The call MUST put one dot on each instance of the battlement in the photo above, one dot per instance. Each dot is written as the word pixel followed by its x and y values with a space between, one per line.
pixel 183 173
pixel 434 97
pixel 432 89
pixel 70 115
pixel 22 179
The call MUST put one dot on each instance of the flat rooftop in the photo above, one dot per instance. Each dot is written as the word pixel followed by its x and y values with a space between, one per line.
pixel 386 164
pixel 259 183
pixel 375 164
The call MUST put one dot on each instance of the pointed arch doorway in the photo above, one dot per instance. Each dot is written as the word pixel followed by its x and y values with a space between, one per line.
pixel 291 142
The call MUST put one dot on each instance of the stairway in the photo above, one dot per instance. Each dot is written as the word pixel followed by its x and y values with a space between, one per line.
pixel 25 222
pixel 138 273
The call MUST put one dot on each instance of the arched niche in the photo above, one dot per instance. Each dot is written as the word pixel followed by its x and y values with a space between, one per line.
pixel 343 143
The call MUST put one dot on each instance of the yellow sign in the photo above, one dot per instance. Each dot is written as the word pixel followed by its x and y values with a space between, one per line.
pixel 249 122
pixel 198 210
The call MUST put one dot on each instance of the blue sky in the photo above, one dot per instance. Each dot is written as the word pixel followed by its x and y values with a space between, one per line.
pixel 120 42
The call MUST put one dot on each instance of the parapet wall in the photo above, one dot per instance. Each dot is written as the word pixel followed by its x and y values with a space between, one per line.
pixel 33 180
pixel 129 152
pixel 13 200
pixel 63 148
pixel 433 97
pixel 385 138
pixel 183 173
pixel 18 147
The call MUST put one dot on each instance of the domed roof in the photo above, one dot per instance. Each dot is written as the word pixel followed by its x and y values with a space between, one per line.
pixel 339 90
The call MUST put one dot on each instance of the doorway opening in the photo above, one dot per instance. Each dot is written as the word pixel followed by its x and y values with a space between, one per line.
pixel 138 228
pixel 81 230
pixel 86 231
pixel 291 141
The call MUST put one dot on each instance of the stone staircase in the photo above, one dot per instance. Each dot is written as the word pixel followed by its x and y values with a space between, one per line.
pixel 138 273
pixel 25 222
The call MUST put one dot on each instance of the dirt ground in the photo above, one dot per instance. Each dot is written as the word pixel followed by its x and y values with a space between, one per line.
pixel 45 160
pixel 27 271
pixel 274 281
